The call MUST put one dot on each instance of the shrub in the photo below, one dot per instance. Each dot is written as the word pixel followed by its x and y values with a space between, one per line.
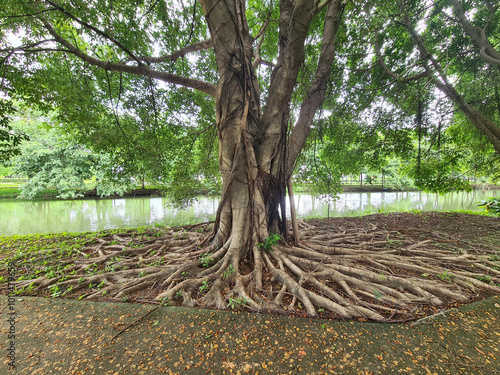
pixel 491 205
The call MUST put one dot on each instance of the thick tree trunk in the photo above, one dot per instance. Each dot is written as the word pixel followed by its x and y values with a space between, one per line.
pixel 255 157
pixel 252 192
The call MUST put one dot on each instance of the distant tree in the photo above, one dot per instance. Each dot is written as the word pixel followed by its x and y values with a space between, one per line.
pixel 51 160
pixel 9 139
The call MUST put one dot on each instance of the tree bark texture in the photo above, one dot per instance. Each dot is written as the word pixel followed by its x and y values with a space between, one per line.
pixel 255 156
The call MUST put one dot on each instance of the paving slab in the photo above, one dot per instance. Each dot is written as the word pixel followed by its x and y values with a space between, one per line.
pixel 57 336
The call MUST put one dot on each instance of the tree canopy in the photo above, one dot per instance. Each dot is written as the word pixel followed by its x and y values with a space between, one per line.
pixel 141 81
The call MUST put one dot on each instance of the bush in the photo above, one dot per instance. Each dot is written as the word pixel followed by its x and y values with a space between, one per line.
pixel 491 205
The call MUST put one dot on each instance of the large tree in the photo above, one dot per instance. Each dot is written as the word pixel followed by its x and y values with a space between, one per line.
pixel 267 66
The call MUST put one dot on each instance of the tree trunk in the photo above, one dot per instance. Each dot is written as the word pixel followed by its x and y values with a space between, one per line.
pixel 252 166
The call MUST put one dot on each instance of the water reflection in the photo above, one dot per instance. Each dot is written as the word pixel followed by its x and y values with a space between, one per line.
pixel 21 217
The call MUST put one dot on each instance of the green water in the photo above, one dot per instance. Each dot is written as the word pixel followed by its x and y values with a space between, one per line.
pixel 52 216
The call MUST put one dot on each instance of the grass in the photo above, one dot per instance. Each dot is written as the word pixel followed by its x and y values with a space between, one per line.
pixel 7 192
pixel 12 180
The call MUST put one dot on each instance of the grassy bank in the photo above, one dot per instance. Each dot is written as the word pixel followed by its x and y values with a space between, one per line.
pixel 10 191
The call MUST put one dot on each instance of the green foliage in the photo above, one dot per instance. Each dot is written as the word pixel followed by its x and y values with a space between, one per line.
pixel 10 139
pixel 445 276
pixel 228 272
pixel 377 294
pixel 270 242
pixel 240 302
pixel 53 160
pixel 124 128
pixel 204 286
pixel 484 278
pixel 206 259
pixel 144 130
pixel 491 205
pixel 9 192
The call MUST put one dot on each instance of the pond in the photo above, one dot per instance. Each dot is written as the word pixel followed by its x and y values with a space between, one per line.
pixel 51 216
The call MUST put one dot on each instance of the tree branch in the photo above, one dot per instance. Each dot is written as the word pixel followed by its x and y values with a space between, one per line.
pixel 317 91
pixel 295 18
pixel 27 46
pixel 260 61
pixel 322 5
pixel 442 82
pixel 389 72
pixel 29 15
pixel 486 50
pixel 137 70
pixel 260 35
pixel 96 30
pixel 204 44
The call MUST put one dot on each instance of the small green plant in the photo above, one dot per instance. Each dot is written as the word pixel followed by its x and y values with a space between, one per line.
pixel 164 301
pixel 178 294
pixel 90 268
pixel 205 259
pixel 158 262
pixel 184 275
pixel 228 272
pixel 270 242
pixel 241 302
pixel 69 290
pixel 485 278
pixel 55 291
pixel 445 276
pixel 377 294
pixel 204 286
pixel 142 274
pixel 391 243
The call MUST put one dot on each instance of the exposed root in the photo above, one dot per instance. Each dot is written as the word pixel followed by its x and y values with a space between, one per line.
pixel 373 274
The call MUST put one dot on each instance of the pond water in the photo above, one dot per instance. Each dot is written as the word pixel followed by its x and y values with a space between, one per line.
pixel 52 216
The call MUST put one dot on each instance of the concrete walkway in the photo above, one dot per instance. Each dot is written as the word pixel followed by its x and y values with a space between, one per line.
pixel 57 336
